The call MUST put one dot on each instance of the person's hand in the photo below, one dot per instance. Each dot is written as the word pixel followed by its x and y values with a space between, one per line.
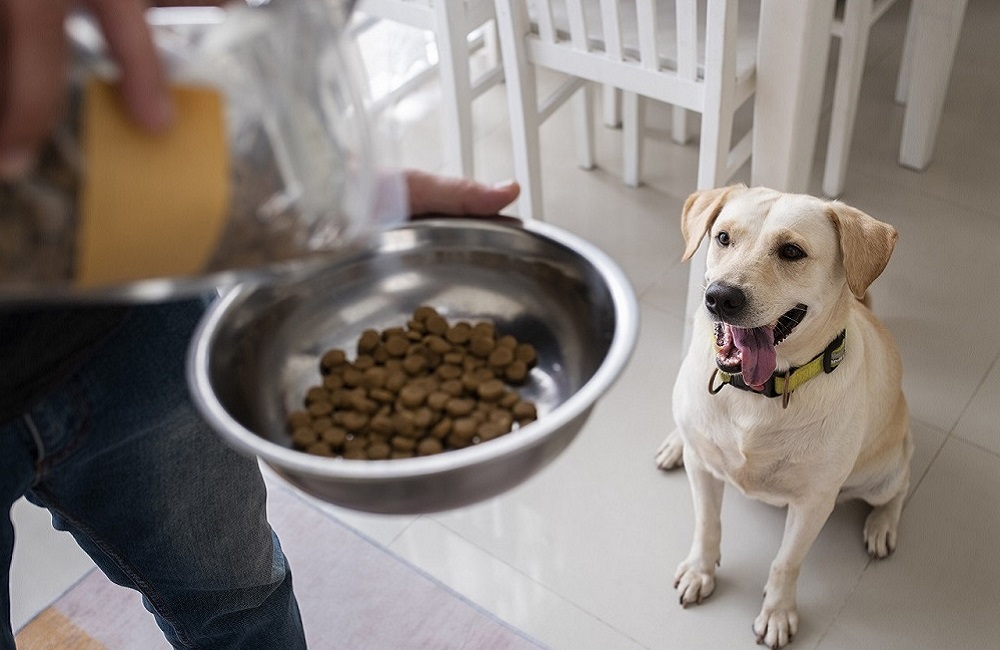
pixel 34 62
pixel 457 196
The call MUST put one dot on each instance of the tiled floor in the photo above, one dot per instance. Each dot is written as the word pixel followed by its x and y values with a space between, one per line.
pixel 582 556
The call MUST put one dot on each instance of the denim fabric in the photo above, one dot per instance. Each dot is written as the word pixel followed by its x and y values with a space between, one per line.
pixel 123 462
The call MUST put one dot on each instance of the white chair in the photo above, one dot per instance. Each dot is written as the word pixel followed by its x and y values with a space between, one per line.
pixel 683 52
pixel 929 47
pixel 459 26
pixel 852 28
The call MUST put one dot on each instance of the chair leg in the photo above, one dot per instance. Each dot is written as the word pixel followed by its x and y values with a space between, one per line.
pixel 850 71
pixel 906 60
pixel 633 117
pixel 456 88
pixel 583 126
pixel 611 106
pixel 681 125
pixel 720 94
pixel 522 106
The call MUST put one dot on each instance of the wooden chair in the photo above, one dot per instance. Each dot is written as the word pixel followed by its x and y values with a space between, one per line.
pixel 683 52
pixel 458 27
pixel 929 22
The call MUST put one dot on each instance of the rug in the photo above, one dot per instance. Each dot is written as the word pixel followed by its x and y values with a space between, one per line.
pixel 361 597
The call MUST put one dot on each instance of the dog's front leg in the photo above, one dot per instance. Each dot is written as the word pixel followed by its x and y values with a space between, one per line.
pixel 778 620
pixel 695 576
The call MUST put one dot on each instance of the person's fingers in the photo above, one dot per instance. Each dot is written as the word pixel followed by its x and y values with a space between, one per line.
pixel 143 84
pixel 457 196
pixel 33 67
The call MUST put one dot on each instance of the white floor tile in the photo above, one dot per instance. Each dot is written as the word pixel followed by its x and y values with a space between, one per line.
pixel 941 587
pixel 979 423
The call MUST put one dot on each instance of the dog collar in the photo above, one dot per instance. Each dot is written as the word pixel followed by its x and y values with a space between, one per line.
pixel 784 383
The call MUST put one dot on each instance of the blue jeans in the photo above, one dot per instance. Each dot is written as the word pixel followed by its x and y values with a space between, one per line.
pixel 124 463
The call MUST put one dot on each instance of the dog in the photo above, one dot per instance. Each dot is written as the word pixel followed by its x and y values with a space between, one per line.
pixel 791 388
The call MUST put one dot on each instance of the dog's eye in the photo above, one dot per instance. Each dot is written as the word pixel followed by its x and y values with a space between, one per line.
pixel 791 252
pixel 722 238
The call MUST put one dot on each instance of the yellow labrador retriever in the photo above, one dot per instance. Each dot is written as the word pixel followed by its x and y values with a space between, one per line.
pixel 791 387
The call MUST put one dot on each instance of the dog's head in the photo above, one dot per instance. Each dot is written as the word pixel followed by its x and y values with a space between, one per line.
pixel 781 268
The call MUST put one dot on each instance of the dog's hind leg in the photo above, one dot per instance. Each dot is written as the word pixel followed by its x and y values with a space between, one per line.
pixel 670 453
pixel 882 525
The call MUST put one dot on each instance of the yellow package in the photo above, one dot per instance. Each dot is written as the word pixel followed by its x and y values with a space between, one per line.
pixel 151 205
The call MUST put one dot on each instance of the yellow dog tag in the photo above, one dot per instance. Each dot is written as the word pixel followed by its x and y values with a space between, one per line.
pixel 150 205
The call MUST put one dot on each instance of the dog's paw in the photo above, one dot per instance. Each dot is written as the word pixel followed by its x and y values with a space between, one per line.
pixel 694 582
pixel 670 453
pixel 776 625
pixel 881 530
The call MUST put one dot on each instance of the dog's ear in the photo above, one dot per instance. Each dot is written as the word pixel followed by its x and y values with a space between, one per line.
pixel 865 245
pixel 700 212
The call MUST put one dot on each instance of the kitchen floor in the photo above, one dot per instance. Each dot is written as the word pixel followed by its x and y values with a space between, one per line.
pixel 582 556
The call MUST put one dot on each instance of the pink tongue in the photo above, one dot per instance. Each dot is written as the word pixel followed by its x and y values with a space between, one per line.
pixel 757 353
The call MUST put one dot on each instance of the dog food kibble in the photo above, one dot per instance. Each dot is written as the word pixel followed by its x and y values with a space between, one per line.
pixel 418 390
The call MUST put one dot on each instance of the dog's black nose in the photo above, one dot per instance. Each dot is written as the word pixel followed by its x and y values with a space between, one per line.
pixel 724 300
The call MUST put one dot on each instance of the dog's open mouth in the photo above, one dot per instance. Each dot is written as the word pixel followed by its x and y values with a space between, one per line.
pixel 750 351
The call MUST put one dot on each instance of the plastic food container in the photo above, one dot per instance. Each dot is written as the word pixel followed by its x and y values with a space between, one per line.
pixel 269 162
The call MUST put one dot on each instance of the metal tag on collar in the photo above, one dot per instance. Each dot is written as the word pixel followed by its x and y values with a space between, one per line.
pixel 834 353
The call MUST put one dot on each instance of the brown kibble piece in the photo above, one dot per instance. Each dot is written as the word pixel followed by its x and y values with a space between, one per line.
pixel 354 421
pixel 429 447
pixel 491 389
pixel 334 436
pixel 298 419
pixel 507 341
pixel 403 443
pixel 412 395
pixel 516 372
pixel 525 410
pixel 481 346
pixel 403 424
pixel 436 324
pixel 485 329
pixel 320 449
pixel 442 428
pixel 332 359
pixel 396 346
pixel 490 430
pixel 457 406
pixel 526 353
pixel 378 451
pixel 395 381
pixel 368 341
pixel 352 377
pixel 437 344
pixel 459 333
pixel 304 436
pixel 501 357
pixel 319 424
pixel 319 409
pixel 381 423
pixel 423 312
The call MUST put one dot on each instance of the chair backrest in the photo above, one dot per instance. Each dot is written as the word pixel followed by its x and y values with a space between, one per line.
pixel 623 43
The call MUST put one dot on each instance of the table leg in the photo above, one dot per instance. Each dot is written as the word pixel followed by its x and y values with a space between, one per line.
pixel 792 49
pixel 936 28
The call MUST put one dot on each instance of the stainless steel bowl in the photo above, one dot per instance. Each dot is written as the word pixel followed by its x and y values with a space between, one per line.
pixel 258 348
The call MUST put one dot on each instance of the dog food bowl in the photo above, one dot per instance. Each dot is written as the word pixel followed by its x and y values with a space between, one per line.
pixel 257 351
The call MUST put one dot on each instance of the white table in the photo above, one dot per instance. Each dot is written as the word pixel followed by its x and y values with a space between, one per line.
pixel 793 45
